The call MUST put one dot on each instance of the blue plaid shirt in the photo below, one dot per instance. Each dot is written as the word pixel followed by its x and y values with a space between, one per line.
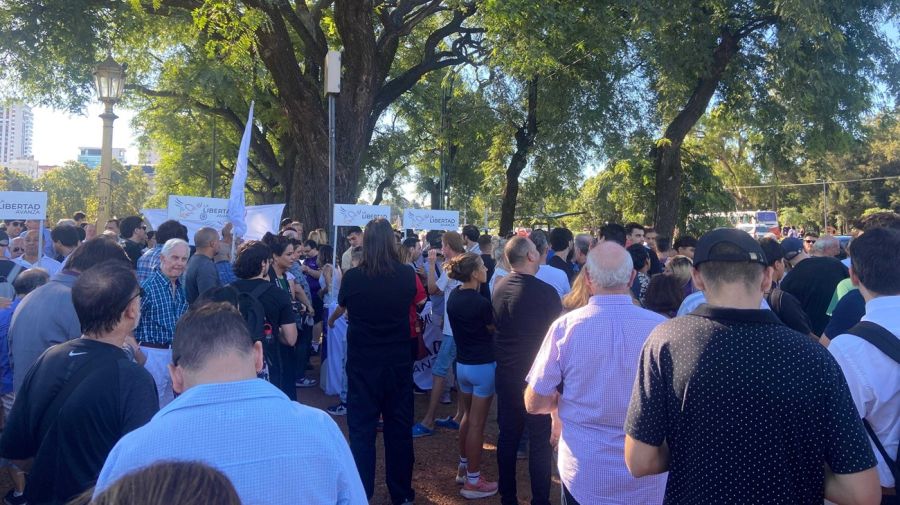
pixel 148 262
pixel 300 278
pixel 226 272
pixel 160 309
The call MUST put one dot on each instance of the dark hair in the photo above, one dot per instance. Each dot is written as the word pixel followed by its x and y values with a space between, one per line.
pixel 151 234
pixel 433 237
pixel 129 224
pixel 410 242
pixel 277 244
pixel 325 257
pixel 649 229
pixel 639 255
pixel 874 261
pixel 470 231
pixel 353 229
pixel 94 252
pixel 772 250
pixel 379 248
pixel 250 258
pixel 630 227
pixel 613 232
pixel 539 237
pixel 286 221
pixel 462 266
pixel 485 241
pixel 663 244
pixel 664 295
pixel 516 250
pixel 101 294
pixel 29 280
pixel 560 238
pixel 78 216
pixel 879 220
pixel 312 244
pixel 81 233
pixel 206 330
pixel 168 230
pixel 727 272
pixel 112 220
pixel 685 241
pixel 165 483
pixel 811 233
pixel 65 234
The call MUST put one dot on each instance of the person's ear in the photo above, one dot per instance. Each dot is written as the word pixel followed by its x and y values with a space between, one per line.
pixel 177 375
pixel 697 277
pixel 853 277
pixel 766 283
pixel 258 356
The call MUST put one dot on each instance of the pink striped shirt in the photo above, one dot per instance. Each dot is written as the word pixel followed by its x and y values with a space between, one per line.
pixel 594 353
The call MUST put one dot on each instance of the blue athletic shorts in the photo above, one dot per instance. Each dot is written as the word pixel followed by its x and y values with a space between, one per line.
pixel 476 380
pixel 445 358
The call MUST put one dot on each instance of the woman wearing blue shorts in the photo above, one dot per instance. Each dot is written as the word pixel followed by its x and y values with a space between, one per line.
pixel 472 319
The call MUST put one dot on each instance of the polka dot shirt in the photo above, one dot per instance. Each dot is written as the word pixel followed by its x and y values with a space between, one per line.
pixel 750 409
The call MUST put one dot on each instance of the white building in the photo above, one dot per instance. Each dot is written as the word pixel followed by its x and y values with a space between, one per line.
pixel 16 129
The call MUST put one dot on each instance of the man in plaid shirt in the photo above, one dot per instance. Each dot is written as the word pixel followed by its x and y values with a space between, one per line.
pixel 149 261
pixel 163 301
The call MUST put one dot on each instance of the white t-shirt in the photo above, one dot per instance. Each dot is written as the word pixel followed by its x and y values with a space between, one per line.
pixel 446 284
pixel 556 278
pixel 47 263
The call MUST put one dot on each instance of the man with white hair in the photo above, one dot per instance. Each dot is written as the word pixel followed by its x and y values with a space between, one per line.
pixel 163 301
pixel 826 246
pixel 595 351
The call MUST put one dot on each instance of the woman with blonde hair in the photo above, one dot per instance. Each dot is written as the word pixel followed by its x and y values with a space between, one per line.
pixel 680 267
pixel 580 294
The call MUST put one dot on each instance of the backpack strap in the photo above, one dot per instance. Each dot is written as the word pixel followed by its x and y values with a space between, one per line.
pixel 879 337
pixel 891 463
pixel 13 273
pixel 259 290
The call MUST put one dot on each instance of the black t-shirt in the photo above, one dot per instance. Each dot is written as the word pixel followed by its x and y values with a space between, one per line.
pixel 491 265
pixel 813 281
pixel 565 266
pixel 524 308
pixel 849 310
pixel 69 448
pixel 133 250
pixel 277 305
pixel 751 410
pixel 378 315
pixel 788 309
pixel 470 314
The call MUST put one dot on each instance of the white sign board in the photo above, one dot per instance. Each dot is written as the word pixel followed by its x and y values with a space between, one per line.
pixel 199 209
pixel 358 215
pixel 23 205
pixel 424 219
pixel 260 219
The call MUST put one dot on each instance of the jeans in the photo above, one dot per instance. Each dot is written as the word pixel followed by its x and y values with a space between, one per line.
pixel 512 418
pixel 375 390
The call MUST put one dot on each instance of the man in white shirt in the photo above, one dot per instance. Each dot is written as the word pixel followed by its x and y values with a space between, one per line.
pixel 552 276
pixel 470 234
pixel 873 376
pixel 31 258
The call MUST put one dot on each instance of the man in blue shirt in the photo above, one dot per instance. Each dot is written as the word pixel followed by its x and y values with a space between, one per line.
pixel 241 425
pixel 163 302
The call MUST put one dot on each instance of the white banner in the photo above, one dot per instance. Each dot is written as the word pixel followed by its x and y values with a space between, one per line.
pixel 358 215
pixel 424 219
pixel 260 219
pixel 433 338
pixel 200 209
pixel 23 205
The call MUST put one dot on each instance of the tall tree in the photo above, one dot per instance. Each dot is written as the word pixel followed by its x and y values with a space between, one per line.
pixel 217 55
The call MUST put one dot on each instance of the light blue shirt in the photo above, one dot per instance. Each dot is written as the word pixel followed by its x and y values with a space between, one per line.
pixel 697 298
pixel 273 450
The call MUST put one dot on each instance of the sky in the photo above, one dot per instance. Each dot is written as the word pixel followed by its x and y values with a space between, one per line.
pixel 58 135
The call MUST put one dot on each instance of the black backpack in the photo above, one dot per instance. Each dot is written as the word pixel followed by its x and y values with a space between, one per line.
pixel 887 343
pixel 261 329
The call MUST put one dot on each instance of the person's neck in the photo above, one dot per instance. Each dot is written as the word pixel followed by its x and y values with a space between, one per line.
pixel 470 284
pixel 734 296
pixel 621 290
pixel 114 338
pixel 279 271
pixel 221 257
pixel 209 252
pixel 231 367
pixel 30 259
pixel 526 269
pixel 562 254
pixel 172 280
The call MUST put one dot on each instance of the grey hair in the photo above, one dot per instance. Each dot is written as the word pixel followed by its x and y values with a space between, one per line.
pixel 583 242
pixel 204 237
pixel 824 243
pixel 539 237
pixel 172 243
pixel 610 266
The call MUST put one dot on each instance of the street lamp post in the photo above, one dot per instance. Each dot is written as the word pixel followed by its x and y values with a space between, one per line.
pixel 824 205
pixel 109 79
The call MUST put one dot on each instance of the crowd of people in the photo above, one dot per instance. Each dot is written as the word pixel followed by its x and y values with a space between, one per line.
pixel 147 366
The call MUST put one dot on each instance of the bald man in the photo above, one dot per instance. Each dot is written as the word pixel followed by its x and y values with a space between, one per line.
pixel 201 274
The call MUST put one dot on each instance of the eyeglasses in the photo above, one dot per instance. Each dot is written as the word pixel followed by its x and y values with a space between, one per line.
pixel 17 249
pixel 810 241
pixel 143 227
pixel 139 293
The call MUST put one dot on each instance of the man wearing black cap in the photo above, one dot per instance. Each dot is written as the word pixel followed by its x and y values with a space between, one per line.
pixel 739 408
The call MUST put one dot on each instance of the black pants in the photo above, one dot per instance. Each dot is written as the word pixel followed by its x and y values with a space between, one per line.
pixel 512 418
pixel 374 390
pixel 288 371
pixel 304 340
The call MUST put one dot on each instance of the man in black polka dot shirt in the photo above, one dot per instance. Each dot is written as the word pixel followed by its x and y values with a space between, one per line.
pixel 739 408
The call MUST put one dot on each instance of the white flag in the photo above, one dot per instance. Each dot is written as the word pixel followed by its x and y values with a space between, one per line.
pixel 236 208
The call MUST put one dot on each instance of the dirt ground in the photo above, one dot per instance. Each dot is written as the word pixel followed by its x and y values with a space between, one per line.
pixel 436 458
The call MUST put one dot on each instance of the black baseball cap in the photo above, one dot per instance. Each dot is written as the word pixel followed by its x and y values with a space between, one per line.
pixel 751 252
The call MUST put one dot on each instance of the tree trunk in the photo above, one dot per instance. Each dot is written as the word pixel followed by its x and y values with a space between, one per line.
pixel 379 191
pixel 667 152
pixel 525 136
